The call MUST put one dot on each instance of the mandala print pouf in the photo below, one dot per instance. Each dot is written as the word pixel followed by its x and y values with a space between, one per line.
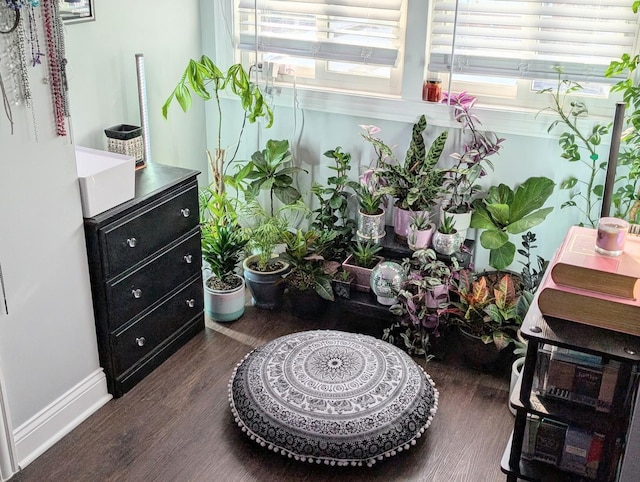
pixel 332 397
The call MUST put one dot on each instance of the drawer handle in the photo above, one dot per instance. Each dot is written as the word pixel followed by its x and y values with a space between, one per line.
pixel 141 341
pixel 188 258
pixel 185 212
pixel 137 293
pixel 191 303
pixel 132 242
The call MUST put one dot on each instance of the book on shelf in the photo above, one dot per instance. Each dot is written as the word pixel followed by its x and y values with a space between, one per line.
pixel 577 445
pixel 595 455
pixel 549 441
pixel 587 384
pixel 574 356
pixel 579 265
pixel 529 437
pixel 589 308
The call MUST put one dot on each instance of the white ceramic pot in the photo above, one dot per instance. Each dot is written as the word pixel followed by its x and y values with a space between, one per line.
pixel 224 306
pixel 516 374
pixel 462 222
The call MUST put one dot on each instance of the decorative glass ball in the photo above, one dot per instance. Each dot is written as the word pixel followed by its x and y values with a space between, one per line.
pixel 386 279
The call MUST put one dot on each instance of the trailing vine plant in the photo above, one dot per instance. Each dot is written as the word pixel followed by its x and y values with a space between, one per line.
pixel 585 194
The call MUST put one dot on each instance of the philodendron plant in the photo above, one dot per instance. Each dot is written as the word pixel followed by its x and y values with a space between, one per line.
pixel 505 212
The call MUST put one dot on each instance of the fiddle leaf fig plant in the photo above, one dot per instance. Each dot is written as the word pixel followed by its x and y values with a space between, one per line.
pixel 505 212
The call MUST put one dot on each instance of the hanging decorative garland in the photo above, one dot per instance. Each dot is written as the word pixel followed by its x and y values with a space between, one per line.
pixel 18 23
pixel 57 63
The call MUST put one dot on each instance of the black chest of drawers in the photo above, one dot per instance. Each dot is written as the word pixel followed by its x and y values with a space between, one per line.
pixel 146 279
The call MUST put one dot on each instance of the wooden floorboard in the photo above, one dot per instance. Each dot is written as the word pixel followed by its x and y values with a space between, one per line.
pixel 176 424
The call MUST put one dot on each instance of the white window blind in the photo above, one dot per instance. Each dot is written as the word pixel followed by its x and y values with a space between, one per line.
pixel 530 38
pixel 354 31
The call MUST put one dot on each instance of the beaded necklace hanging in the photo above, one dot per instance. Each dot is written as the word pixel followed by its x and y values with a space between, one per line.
pixel 57 63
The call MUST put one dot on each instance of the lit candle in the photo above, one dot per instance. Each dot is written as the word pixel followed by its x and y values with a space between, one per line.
pixel 611 235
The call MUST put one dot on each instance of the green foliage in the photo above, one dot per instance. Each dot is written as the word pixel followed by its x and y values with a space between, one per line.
pixel 505 212
pixel 626 198
pixel 531 276
pixel 265 231
pixel 222 246
pixel 491 314
pixel 420 222
pixel 448 225
pixel 271 171
pixel 308 267
pixel 416 183
pixel 332 213
pixel 364 254
pixel 206 80
pixel 584 195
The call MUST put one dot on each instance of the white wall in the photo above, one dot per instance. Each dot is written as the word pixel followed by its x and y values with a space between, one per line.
pixel 47 341
pixel 103 81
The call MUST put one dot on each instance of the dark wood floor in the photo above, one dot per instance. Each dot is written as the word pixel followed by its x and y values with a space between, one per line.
pixel 176 424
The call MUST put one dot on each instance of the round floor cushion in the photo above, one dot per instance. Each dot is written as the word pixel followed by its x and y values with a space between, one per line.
pixel 333 397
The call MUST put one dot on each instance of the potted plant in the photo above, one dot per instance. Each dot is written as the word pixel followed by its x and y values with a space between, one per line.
pixel 469 164
pixel 264 268
pixel 203 76
pixel 308 280
pixel 222 246
pixel 420 232
pixel 446 239
pixel 488 320
pixel 342 281
pixel 371 214
pixel 270 169
pixel 332 212
pixel 360 263
pixel 422 297
pixel 416 183
pixel 505 211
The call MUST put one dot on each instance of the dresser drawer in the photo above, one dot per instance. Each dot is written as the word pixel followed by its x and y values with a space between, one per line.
pixel 129 295
pixel 144 232
pixel 156 327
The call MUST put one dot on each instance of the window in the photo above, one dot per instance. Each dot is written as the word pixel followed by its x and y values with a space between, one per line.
pixel 499 50
pixel 346 44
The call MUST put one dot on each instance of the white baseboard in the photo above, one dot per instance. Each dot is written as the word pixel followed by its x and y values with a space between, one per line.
pixel 47 427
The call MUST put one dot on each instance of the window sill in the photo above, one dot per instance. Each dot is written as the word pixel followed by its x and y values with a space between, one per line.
pixel 502 120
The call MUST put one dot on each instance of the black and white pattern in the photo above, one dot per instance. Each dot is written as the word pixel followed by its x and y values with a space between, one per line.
pixel 333 397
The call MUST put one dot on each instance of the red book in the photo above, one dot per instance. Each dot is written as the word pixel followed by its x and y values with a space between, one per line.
pixel 579 265
pixel 588 307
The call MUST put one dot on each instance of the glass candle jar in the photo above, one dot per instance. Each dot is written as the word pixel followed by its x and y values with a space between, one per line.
pixel 432 90
pixel 611 235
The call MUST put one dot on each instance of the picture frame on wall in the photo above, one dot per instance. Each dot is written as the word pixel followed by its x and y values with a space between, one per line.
pixel 74 11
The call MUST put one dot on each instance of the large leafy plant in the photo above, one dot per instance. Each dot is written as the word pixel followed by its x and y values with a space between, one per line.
pixel 491 314
pixel 271 170
pixel 505 212
pixel 208 81
pixel 222 246
pixel 415 183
